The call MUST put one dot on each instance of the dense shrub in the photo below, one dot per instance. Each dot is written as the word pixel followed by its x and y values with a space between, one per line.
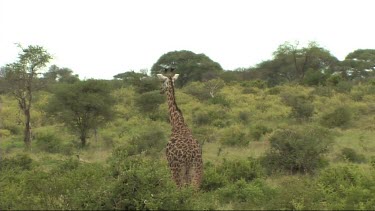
pixel 49 141
pixel 248 169
pixel 257 131
pixel 244 116
pixel 302 107
pixel 274 90
pixel 143 183
pixel 149 101
pixel 325 91
pixel 234 136
pixel 198 90
pixel 297 149
pixel 150 141
pixel 351 155
pixel 68 185
pixel 296 193
pixel 147 84
pixel 347 187
pixel 339 117
pixel 20 162
pixel 245 195
pixel 213 178
pixel 344 86
pixel 217 118
pixel 219 100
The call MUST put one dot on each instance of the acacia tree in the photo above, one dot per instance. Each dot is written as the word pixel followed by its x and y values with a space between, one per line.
pixel 82 106
pixel 190 66
pixel 359 64
pixel 294 64
pixel 301 60
pixel 21 78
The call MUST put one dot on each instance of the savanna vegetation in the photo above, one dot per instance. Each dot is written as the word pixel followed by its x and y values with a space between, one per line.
pixel 293 132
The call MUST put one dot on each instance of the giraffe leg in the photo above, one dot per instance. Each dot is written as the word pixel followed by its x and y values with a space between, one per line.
pixel 187 175
pixel 176 175
pixel 197 173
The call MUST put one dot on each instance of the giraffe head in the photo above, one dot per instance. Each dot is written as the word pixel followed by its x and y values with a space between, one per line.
pixel 167 81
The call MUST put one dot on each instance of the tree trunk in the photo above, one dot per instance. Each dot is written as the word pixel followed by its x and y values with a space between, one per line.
pixel 83 140
pixel 27 131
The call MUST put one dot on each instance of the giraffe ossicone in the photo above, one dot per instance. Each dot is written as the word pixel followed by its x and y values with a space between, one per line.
pixel 183 151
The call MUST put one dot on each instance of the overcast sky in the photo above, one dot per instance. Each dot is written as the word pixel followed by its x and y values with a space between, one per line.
pixel 101 38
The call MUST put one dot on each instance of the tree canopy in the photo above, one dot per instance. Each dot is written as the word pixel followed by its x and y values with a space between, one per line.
pixel 83 106
pixel 190 66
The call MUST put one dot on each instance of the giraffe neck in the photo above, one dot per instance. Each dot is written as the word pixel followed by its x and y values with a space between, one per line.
pixel 175 115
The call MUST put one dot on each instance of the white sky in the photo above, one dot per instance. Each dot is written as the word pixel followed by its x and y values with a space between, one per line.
pixel 101 38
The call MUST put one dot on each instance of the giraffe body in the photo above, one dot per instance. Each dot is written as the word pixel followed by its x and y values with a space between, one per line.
pixel 183 151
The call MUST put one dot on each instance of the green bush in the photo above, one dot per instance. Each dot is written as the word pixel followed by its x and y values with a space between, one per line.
pixel 247 170
pixel 68 186
pixel 339 117
pixel 347 187
pixel 257 131
pixel 297 149
pixel 151 141
pixel 219 100
pixel 325 91
pixel 274 90
pixel 344 87
pixel 52 143
pixel 234 136
pixel 144 184
pixel 217 118
pixel 244 195
pixel 149 102
pixel 244 116
pixel 198 90
pixel 20 162
pixel 213 178
pixel 296 193
pixel 314 78
pixel 302 107
pixel 351 155
pixel 372 161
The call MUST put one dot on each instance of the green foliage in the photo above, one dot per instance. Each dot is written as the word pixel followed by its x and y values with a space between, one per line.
pixel 213 178
pixel 257 131
pixel 351 155
pixel 302 107
pixel 147 84
pixel 324 91
pixel 83 106
pixel 234 136
pixel 297 149
pixel 50 141
pixel 215 117
pixel 149 102
pixel 254 194
pixel 314 78
pixel 151 141
pixel 247 170
pixel 62 75
pixel 344 86
pixel 143 183
pixel 197 89
pixel 219 100
pixel 338 118
pixel 20 162
pixel 347 187
pixel 191 66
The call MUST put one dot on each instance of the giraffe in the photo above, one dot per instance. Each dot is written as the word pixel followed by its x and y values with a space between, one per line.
pixel 183 151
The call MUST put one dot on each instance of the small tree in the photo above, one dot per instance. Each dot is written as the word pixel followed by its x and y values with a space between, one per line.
pixel 21 79
pixel 298 149
pixel 83 106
